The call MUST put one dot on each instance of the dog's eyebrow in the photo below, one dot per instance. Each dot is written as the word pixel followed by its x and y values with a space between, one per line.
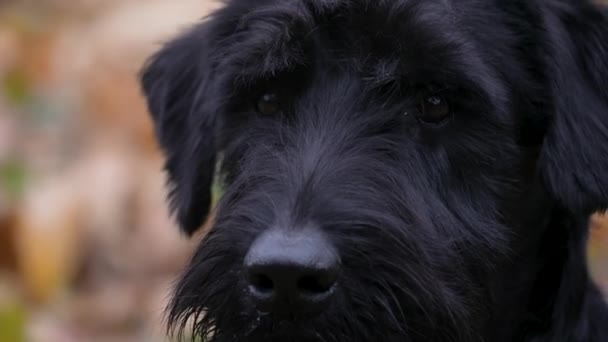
pixel 267 42
pixel 460 69
pixel 383 72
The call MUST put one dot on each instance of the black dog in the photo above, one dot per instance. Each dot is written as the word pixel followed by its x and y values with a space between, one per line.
pixel 405 170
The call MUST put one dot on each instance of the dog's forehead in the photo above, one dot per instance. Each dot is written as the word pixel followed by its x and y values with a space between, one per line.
pixel 426 41
pixel 274 29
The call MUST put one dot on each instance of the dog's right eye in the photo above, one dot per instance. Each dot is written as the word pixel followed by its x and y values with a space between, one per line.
pixel 268 104
pixel 433 109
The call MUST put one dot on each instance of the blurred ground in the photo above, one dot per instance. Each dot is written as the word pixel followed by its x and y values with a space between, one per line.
pixel 87 252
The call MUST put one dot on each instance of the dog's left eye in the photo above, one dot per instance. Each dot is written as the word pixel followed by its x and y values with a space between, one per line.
pixel 433 109
pixel 268 104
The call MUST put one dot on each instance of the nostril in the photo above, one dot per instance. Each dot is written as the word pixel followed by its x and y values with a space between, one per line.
pixel 261 283
pixel 316 284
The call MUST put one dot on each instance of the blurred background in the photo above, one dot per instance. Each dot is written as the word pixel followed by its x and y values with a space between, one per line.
pixel 87 252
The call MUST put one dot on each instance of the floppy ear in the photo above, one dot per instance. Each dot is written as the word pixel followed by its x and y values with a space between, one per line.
pixel 574 158
pixel 177 84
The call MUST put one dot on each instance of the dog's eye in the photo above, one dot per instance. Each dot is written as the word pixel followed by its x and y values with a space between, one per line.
pixel 433 109
pixel 268 104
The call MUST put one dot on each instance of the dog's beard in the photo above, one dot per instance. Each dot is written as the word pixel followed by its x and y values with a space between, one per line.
pixel 397 283
pixel 388 304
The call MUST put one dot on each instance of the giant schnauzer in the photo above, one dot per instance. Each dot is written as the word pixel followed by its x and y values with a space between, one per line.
pixel 394 170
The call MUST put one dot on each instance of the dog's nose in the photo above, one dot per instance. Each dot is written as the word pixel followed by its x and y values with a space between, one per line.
pixel 292 273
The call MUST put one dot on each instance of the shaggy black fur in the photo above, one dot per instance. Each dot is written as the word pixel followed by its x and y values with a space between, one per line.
pixel 465 225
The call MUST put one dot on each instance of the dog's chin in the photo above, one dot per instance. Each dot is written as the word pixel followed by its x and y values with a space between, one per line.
pixel 266 328
pixel 296 331
pixel 327 327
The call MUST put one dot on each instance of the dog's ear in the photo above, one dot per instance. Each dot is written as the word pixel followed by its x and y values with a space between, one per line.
pixel 574 156
pixel 177 83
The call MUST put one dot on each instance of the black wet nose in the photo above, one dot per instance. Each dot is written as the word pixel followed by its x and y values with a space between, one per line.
pixel 292 273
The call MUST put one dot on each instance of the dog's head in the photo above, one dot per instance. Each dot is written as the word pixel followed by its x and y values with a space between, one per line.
pixel 382 160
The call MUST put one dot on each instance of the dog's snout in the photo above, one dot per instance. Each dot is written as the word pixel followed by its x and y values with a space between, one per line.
pixel 292 273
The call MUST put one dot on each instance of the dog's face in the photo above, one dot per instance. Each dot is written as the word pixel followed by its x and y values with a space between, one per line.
pixel 383 161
